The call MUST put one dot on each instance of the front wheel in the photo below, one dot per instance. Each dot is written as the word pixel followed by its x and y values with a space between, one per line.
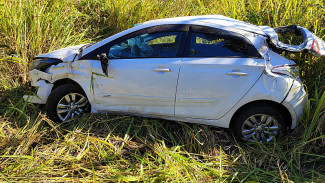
pixel 259 124
pixel 65 102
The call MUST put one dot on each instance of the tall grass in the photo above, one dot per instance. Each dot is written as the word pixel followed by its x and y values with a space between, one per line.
pixel 122 148
pixel 34 27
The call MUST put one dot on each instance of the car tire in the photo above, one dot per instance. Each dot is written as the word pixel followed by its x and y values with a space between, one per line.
pixel 259 124
pixel 65 102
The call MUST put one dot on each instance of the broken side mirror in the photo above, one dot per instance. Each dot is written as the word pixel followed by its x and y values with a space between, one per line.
pixel 104 62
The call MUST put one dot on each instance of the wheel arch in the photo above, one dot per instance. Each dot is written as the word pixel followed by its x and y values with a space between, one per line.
pixel 63 88
pixel 282 109
pixel 66 81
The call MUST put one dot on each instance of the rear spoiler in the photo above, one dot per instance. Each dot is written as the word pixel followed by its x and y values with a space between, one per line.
pixel 311 43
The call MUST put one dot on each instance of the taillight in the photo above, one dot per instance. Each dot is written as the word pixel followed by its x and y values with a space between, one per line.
pixel 288 70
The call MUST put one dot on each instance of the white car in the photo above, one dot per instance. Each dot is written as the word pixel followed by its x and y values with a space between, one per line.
pixel 211 70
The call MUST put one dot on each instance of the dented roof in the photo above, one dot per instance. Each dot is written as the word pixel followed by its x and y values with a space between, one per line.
pixel 218 21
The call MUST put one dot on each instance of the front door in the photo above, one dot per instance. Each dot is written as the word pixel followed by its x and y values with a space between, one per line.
pixel 141 76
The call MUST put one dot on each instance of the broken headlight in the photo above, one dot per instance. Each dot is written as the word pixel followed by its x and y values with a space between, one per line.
pixel 43 63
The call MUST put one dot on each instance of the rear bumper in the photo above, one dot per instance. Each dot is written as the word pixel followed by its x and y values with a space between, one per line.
pixel 44 90
pixel 295 102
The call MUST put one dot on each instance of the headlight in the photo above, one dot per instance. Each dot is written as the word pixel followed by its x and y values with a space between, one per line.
pixel 43 63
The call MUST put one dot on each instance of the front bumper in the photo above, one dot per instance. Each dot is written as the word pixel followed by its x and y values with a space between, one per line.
pixel 44 90
pixel 39 80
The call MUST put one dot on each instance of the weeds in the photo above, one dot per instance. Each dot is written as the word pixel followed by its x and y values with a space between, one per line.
pixel 123 148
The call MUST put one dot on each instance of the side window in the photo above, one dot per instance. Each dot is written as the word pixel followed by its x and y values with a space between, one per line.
pixel 152 45
pixel 210 45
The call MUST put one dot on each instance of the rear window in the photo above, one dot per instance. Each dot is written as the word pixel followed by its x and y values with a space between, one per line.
pixel 210 45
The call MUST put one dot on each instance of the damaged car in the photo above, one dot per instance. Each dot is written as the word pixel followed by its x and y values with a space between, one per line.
pixel 211 70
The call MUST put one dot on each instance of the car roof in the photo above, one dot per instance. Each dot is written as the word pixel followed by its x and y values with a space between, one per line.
pixel 217 21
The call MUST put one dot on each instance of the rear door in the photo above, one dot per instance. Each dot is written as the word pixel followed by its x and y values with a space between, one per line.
pixel 217 70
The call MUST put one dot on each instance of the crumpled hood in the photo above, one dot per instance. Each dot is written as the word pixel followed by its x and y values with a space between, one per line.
pixel 65 54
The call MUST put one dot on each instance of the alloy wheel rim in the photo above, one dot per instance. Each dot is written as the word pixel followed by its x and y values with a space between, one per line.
pixel 70 105
pixel 260 128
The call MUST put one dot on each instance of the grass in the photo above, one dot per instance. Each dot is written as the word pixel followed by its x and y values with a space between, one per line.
pixel 124 148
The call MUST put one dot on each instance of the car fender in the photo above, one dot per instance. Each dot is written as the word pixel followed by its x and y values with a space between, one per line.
pixel 78 71
pixel 269 87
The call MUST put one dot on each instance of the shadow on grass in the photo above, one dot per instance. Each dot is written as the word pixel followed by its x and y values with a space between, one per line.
pixel 136 136
pixel 192 138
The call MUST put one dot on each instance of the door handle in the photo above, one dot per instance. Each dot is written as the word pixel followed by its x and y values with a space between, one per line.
pixel 237 73
pixel 161 70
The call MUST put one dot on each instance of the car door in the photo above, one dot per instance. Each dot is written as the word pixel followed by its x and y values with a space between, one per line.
pixel 141 74
pixel 218 69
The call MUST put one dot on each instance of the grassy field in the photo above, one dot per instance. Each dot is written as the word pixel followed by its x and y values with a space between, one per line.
pixel 115 148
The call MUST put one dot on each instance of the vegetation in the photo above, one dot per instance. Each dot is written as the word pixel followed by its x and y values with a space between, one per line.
pixel 125 148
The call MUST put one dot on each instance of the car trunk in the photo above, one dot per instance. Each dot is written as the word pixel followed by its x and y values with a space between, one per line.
pixel 311 42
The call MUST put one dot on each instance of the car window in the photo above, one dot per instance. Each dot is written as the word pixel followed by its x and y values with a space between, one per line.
pixel 210 45
pixel 153 45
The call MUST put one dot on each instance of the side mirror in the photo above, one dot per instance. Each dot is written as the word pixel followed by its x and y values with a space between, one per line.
pixel 104 62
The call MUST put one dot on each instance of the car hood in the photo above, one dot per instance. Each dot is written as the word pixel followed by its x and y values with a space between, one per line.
pixel 65 54
pixel 311 43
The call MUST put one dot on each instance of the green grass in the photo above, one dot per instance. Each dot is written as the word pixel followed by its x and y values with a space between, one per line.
pixel 115 148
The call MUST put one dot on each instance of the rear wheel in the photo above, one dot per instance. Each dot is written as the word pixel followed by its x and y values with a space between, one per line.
pixel 259 124
pixel 65 102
